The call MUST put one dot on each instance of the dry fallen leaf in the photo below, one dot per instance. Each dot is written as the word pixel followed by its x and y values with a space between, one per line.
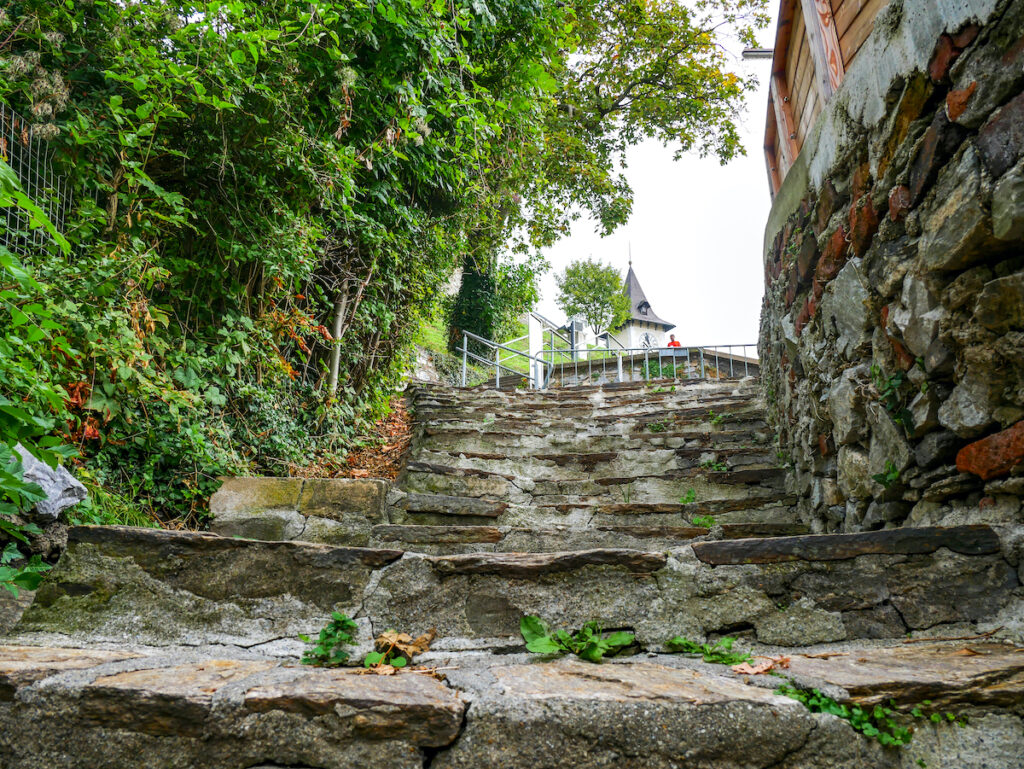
pixel 404 644
pixel 766 664
pixel 967 652
pixel 825 655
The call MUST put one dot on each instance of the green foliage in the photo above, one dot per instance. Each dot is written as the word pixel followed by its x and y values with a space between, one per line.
pixel 875 722
pixel 889 477
pixel 390 657
pixel 720 652
pixel 31 403
pixel 592 291
pixel 707 521
pixel 714 466
pixel 588 643
pixel 657 427
pixel 716 419
pixel 258 188
pixel 328 648
pixel 492 298
pixel 891 395
pixel 689 497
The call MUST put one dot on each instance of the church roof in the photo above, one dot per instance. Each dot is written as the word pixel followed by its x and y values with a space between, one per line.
pixel 639 308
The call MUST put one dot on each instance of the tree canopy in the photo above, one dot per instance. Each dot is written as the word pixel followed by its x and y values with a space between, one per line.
pixel 592 291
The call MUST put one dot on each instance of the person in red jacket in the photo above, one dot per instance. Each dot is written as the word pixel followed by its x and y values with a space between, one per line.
pixel 672 341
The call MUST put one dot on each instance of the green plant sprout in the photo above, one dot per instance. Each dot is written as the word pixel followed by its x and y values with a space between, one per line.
pixel 327 650
pixel 719 653
pixel 889 477
pixel 717 467
pixel 707 521
pixel 588 643
pixel 689 497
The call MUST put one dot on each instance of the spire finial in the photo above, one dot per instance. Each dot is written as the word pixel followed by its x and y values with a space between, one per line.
pixel 630 254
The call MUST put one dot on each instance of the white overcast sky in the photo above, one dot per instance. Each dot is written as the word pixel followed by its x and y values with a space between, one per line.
pixel 696 234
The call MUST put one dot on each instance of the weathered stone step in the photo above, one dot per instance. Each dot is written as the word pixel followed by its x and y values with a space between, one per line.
pixel 118 585
pixel 581 465
pixel 512 443
pixel 204 709
pixel 449 540
pixel 713 410
pixel 666 712
pixel 199 711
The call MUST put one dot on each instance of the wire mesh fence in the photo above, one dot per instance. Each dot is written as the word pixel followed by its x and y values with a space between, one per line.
pixel 31 158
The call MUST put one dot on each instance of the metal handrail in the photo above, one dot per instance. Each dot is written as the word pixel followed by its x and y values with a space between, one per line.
pixel 602 355
pixel 466 354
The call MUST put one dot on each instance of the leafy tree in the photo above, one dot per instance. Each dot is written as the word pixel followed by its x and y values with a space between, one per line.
pixel 593 291
pixel 266 196
pixel 629 70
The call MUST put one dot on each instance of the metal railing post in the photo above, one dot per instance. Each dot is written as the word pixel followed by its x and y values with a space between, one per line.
pixel 618 360
pixel 745 372
pixel 647 364
pixel 497 369
pixel 465 353
pixel 732 360
pixel 702 372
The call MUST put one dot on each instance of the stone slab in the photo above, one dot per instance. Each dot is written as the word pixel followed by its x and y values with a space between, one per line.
pixel 121 584
pixel 444 504
pixel 335 497
pixel 527 565
pixel 24 665
pixel 216 713
pixel 248 495
pixel 975 673
pixel 969 540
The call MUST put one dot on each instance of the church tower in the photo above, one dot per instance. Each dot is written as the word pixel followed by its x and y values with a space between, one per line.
pixel 643 328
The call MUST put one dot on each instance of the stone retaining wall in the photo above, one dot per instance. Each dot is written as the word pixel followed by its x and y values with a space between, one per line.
pixel 893 318
pixel 335 511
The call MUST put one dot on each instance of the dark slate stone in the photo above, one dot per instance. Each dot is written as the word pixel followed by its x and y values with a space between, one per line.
pixel 1001 139
pixel 969 540
pixel 536 564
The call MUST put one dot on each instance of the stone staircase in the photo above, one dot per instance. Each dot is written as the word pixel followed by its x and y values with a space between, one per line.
pixel 150 648
pixel 629 465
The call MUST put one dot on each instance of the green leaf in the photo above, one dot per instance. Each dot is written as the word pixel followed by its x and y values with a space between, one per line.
pixel 532 628
pixel 620 638
pixel 543 645
pixel 371 659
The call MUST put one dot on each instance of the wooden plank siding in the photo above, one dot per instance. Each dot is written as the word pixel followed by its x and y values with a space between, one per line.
pixel 852 37
pixel 799 88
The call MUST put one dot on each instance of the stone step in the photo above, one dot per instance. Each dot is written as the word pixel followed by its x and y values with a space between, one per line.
pixel 121 585
pixel 580 465
pixel 213 709
pixel 715 410
pixel 727 504
pixel 451 540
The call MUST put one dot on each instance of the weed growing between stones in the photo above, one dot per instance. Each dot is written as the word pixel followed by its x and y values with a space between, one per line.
pixel 889 477
pixel 876 723
pixel 688 498
pixel 716 419
pixel 712 465
pixel 657 427
pixel 890 395
pixel 588 643
pixel 396 650
pixel 707 521
pixel 328 649
pixel 720 652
